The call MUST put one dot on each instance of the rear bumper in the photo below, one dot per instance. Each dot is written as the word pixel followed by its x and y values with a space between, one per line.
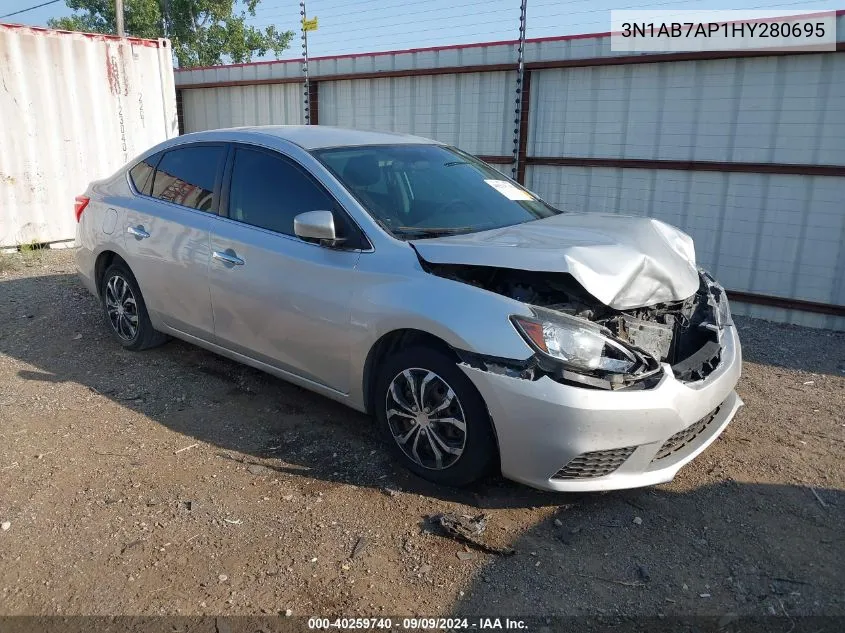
pixel 85 262
pixel 542 425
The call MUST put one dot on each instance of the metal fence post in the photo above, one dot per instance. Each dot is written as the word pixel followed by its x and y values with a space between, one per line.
pixel 520 93
pixel 307 88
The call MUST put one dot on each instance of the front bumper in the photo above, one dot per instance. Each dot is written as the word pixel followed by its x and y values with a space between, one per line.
pixel 542 425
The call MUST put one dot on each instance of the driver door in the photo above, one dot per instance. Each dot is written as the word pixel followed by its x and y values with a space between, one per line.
pixel 275 297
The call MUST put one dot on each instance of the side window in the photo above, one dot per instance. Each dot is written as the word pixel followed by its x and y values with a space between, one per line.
pixel 142 174
pixel 186 176
pixel 269 191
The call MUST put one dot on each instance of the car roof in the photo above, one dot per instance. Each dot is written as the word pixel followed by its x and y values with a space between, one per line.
pixel 311 137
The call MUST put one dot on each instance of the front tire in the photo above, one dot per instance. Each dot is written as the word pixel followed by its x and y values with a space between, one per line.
pixel 433 418
pixel 125 311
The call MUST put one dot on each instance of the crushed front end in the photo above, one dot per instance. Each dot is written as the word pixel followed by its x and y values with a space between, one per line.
pixel 611 398
pixel 687 335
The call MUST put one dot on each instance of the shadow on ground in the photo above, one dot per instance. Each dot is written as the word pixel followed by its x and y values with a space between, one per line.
pixel 52 323
pixel 728 547
pixel 750 549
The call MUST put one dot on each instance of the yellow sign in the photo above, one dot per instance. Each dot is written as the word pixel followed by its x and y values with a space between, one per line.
pixel 309 25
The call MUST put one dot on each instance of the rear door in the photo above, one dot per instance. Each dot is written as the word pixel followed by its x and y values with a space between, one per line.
pixel 167 234
pixel 277 298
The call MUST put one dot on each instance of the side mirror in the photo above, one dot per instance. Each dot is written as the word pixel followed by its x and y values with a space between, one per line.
pixel 317 225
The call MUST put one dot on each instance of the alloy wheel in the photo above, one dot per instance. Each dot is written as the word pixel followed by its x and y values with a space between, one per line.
pixel 122 308
pixel 426 418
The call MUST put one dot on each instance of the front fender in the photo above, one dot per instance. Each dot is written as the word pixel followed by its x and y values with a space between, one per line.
pixel 464 316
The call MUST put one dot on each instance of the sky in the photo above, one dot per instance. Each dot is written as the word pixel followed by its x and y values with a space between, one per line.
pixel 358 26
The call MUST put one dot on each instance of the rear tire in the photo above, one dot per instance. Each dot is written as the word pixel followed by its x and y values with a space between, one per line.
pixel 433 418
pixel 125 311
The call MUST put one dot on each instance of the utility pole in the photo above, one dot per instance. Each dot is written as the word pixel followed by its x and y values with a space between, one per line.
pixel 165 16
pixel 118 13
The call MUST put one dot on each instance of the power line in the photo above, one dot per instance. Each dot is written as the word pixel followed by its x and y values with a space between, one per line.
pixel 264 15
pixel 376 24
pixel 440 16
pixel 37 6
pixel 344 35
pixel 333 34
pixel 380 9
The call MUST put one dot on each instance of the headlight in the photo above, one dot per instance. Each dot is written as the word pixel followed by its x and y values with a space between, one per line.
pixel 719 301
pixel 579 344
pixel 724 311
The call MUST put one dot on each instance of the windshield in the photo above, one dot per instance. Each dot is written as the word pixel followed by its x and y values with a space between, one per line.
pixel 418 191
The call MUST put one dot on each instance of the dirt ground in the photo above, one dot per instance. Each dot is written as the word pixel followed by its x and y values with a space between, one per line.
pixel 176 482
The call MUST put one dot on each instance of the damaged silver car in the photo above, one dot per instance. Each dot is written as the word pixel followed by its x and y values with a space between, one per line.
pixel 483 328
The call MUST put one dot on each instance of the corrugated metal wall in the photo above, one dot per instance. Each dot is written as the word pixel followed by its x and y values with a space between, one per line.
pixel 274 104
pixel 469 110
pixel 552 49
pixel 74 108
pixel 710 128
pixel 503 53
pixel 769 234
pixel 787 109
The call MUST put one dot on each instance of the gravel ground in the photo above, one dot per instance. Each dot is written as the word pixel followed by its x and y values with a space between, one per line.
pixel 176 482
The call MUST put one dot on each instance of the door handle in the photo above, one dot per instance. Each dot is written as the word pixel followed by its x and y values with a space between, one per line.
pixel 138 232
pixel 228 257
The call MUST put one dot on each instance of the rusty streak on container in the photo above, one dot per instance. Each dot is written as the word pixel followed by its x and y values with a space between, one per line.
pixel 74 108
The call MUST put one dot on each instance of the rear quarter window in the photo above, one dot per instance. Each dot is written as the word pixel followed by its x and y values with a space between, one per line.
pixel 186 176
pixel 141 174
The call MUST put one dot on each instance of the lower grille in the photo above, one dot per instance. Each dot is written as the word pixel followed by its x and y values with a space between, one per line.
pixel 682 438
pixel 595 464
pixel 699 365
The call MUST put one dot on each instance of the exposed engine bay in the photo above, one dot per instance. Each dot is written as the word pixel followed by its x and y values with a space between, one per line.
pixel 685 334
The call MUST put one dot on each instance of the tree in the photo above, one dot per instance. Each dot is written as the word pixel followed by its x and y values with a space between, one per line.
pixel 203 32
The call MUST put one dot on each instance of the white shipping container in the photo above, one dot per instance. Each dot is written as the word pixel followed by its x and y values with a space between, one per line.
pixel 74 107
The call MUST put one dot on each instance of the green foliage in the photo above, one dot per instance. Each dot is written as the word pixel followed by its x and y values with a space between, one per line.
pixel 203 32
pixel 31 252
pixel 30 247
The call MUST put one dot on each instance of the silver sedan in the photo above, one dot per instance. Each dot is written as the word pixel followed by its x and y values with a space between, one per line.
pixel 482 327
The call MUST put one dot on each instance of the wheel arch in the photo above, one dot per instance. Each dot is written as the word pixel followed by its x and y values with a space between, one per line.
pixel 101 265
pixel 395 340
pixel 390 343
pixel 407 338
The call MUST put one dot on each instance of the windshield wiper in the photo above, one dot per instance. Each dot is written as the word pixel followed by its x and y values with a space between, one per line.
pixel 455 162
pixel 411 231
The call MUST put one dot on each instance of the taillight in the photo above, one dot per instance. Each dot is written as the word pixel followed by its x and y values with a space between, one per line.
pixel 79 206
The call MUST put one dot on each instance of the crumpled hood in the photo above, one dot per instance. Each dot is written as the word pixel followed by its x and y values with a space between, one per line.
pixel 625 262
